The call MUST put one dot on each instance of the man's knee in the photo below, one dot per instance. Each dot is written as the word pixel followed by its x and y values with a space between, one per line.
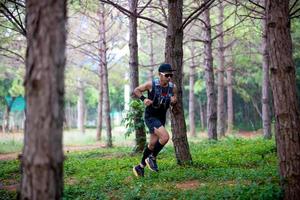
pixel 165 138
pixel 151 146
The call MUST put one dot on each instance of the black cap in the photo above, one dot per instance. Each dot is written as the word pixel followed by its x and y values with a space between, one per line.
pixel 165 68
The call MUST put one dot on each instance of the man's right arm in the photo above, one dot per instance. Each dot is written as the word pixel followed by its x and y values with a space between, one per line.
pixel 138 92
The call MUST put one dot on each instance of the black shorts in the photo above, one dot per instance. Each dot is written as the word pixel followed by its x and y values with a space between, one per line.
pixel 154 122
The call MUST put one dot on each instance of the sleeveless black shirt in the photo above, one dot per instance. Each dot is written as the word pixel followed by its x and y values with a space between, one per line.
pixel 161 97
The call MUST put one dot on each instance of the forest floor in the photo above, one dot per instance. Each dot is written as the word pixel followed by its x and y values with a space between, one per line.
pixel 246 169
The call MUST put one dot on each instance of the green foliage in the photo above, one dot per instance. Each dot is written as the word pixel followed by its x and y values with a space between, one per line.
pixel 91 97
pixel 17 88
pixel 5 84
pixel 116 96
pixel 134 117
pixel 232 168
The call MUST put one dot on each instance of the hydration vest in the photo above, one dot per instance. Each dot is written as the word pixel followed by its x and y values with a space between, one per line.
pixel 161 96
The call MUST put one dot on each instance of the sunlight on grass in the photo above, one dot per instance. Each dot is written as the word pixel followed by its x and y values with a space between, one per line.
pixel 13 142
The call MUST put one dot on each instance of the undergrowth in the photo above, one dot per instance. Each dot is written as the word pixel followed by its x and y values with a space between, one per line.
pixel 231 168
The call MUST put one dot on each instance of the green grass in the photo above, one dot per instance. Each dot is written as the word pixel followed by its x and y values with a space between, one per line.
pixel 10 145
pixel 232 168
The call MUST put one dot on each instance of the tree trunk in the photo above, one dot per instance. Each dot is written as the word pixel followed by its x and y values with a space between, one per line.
pixel 99 114
pixel 42 160
pixel 209 78
pixel 283 82
pixel 6 119
pixel 80 107
pixel 229 99
pixel 174 56
pixel 266 114
pixel 191 95
pixel 202 118
pixel 68 117
pixel 105 76
pixel 140 135
pixel 151 70
pixel 221 100
pixel 100 71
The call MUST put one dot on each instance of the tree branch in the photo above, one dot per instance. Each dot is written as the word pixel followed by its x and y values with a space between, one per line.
pixel 294 13
pixel 256 4
pixel 139 13
pixel 12 19
pixel 14 53
pixel 196 13
pixel 128 13
pixel 292 7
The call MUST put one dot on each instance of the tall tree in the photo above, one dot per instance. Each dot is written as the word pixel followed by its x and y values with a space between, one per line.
pixel 209 77
pixel 100 74
pixel 191 93
pixel 42 161
pixel 221 68
pixel 174 55
pixel 266 115
pixel 104 76
pixel 140 135
pixel 283 82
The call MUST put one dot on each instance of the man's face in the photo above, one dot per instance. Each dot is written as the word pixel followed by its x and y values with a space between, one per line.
pixel 165 76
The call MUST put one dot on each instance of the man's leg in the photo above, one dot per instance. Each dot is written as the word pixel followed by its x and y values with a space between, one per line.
pixel 149 149
pixel 139 169
pixel 163 138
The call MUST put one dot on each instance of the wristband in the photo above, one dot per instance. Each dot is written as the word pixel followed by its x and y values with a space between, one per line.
pixel 142 98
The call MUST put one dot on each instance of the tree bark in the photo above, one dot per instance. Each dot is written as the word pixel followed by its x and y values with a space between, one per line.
pixel 140 135
pixel 220 98
pixel 192 95
pixel 80 107
pixel 100 110
pixel 229 99
pixel 209 78
pixel 174 56
pixel 151 70
pixel 283 82
pixel 202 118
pixel 266 114
pixel 42 160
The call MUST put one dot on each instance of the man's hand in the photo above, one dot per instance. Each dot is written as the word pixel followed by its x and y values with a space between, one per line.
pixel 147 102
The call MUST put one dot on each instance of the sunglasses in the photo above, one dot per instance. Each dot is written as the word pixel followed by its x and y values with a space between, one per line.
pixel 167 75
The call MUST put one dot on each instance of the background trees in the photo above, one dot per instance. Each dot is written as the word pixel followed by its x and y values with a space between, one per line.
pixel 241 29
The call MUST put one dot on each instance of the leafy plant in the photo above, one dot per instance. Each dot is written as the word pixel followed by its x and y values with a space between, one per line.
pixel 134 117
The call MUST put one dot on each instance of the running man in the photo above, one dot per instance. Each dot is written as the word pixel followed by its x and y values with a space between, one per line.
pixel 161 94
